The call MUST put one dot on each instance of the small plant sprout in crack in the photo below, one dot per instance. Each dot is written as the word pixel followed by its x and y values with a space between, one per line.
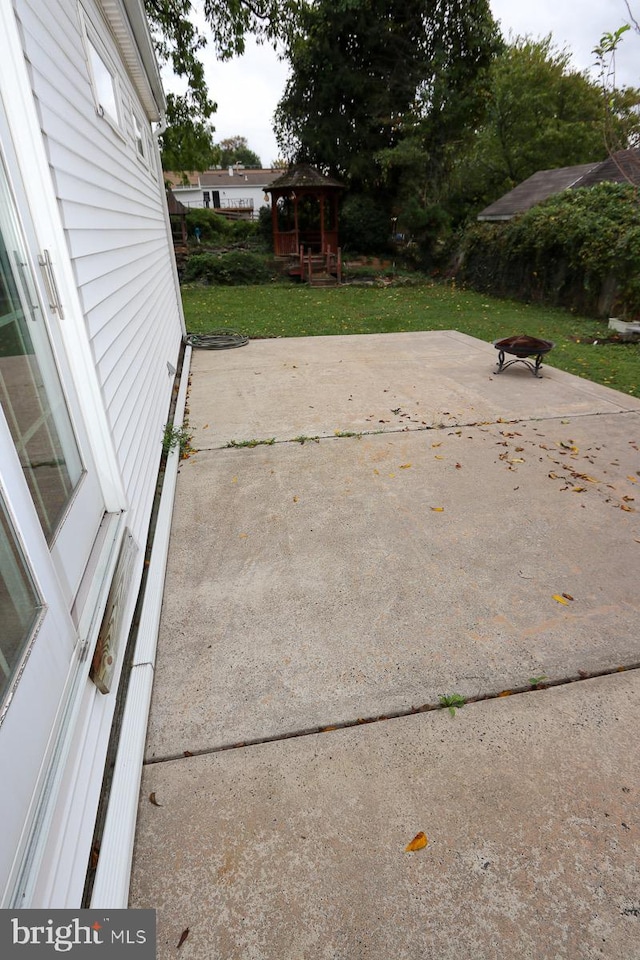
pixel 535 682
pixel 176 437
pixel 303 438
pixel 451 701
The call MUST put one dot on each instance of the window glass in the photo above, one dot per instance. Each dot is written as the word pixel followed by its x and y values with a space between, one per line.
pixel 104 83
pixel 31 396
pixel 20 605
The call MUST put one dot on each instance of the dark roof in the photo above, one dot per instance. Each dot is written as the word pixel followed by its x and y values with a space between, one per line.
pixel 621 166
pixel 222 178
pixel 618 168
pixel 543 184
pixel 304 175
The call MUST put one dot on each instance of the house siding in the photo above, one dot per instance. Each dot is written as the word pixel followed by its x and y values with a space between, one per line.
pixel 111 205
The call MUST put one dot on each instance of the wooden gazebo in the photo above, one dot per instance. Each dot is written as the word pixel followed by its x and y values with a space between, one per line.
pixel 304 211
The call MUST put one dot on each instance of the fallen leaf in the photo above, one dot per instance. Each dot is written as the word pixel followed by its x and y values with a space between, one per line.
pixel 295 499
pixel 560 599
pixel 458 466
pixel 419 842
pixel 633 479
pixel 206 426
pixel 183 937
pixel 578 489
pixel 405 466
pixel 505 693
pixel 553 476
pixel 628 499
pixel 567 596
pixel 515 460
pixel 623 506
pixel 438 458
pixel 187 753
pixel 234 480
pixel 437 444
pixel 438 509
pixel 152 799
pixel 377 472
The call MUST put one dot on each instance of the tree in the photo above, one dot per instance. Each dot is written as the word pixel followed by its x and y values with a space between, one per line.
pixel 360 68
pixel 178 42
pixel 236 150
pixel 540 114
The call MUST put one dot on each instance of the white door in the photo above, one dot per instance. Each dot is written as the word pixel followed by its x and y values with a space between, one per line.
pixel 50 509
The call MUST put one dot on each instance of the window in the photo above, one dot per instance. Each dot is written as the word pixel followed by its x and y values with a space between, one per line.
pixel 20 604
pixel 103 77
pixel 138 136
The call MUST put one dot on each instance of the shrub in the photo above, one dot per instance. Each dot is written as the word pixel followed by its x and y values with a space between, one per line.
pixel 566 250
pixel 212 226
pixel 236 268
pixel 364 225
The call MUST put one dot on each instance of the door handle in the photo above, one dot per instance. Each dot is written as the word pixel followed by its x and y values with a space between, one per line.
pixel 50 283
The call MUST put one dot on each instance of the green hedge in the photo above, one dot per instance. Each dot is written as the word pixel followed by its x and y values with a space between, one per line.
pixel 579 249
pixel 227 269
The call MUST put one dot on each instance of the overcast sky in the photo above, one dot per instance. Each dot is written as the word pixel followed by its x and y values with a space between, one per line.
pixel 248 88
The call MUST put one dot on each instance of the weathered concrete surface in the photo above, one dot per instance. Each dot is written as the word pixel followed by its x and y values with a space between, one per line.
pixel 316 385
pixel 312 585
pixel 320 583
pixel 295 849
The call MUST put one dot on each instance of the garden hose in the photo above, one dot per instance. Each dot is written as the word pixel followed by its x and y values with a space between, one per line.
pixel 218 340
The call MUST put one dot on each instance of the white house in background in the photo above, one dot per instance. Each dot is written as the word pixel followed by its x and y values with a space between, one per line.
pixel 90 337
pixel 234 190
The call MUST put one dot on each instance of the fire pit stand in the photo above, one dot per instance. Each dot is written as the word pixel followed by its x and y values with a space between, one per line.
pixel 522 347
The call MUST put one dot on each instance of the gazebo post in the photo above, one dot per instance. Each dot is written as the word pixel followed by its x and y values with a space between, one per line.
pixel 274 226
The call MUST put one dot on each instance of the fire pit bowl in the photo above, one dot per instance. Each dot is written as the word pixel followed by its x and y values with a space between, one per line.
pixel 522 347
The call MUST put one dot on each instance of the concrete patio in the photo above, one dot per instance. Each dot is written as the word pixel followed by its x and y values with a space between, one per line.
pixel 418 527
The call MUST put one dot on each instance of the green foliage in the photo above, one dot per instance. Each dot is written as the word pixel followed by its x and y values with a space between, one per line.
pixel 218 230
pixel 236 150
pixel 540 114
pixel 563 250
pixel 173 436
pixel 359 69
pixel 187 143
pixel 365 227
pixel 236 268
pixel 451 701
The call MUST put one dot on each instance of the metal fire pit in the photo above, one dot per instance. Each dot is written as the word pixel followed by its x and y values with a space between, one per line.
pixel 520 348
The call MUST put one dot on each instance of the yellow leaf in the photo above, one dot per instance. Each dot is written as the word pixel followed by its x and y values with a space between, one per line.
pixel 437 444
pixel 633 479
pixel 515 460
pixel 234 480
pixel 419 842
pixel 438 458
pixel 438 509
pixel 578 489
pixel 405 466
pixel 295 499
pixel 553 476
pixel 505 693
pixel 377 472
pixel 560 599
pixel 243 536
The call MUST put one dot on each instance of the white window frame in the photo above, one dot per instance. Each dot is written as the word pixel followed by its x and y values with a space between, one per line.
pixel 94 46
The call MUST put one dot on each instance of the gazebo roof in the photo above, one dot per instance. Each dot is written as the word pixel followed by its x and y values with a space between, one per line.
pixel 303 175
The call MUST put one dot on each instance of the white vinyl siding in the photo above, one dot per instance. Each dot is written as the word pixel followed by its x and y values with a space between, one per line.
pixel 112 210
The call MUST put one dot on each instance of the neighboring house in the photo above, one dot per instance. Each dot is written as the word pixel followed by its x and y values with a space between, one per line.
pixel 90 336
pixel 622 166
pixel 234 190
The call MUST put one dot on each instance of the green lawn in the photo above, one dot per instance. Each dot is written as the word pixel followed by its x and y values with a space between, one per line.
pixel 298 311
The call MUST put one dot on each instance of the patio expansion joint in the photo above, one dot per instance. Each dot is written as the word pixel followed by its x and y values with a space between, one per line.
pixel 544 684
pixel 359 434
